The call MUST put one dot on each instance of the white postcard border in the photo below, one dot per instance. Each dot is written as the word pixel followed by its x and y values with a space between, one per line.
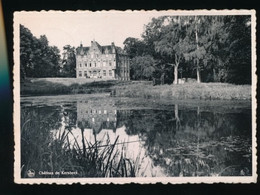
pixel 149 180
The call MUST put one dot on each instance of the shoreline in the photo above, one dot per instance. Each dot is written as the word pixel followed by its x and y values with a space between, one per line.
pixel 142 89
pixel 126 103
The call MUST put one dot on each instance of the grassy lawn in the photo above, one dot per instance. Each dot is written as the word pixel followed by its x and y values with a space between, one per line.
pixel 61 86
pixel 145 89
pixel 205 91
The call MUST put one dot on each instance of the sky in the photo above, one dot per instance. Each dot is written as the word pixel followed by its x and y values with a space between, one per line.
pixel 75 27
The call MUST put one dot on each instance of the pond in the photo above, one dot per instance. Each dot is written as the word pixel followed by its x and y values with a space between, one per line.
pixel 103 136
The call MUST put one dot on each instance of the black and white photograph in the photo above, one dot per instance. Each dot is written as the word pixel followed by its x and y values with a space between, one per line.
pixel 135 96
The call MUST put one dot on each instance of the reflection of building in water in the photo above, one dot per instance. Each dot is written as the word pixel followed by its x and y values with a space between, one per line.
pixel 97 115
pixel 123 118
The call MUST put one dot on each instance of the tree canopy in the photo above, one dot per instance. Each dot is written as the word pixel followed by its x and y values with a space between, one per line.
pixel 37 58
pixel 68 62
pixel 208 48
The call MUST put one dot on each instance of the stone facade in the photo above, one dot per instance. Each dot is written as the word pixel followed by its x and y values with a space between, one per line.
pixel 104 62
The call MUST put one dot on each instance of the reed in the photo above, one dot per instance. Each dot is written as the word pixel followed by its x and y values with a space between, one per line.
pixel 45 150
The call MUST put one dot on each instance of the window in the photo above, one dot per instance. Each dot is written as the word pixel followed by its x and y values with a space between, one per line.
pixel 86 65
pixel 80 74
pixel 104 72
pixel 95 64
pixel 79 64
pixel 110 72
pixel 90 64
pixel 110 64
pixel 85 73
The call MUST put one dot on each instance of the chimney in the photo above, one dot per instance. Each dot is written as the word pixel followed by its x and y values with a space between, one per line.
pixel 113 47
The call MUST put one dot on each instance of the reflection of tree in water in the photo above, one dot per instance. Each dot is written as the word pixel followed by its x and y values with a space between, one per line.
pixel 70 116
pixel 191 142
pixel 183 141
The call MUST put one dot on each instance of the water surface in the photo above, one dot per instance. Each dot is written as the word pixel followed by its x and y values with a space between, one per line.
pixel 134 137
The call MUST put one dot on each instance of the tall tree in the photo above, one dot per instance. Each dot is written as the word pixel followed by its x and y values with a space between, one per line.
pixel 37 58
pixel 205 34
pixel 211 48
pixel 142 67
pixel 172 41
pixel 68 62
pixel 134 47
pixel 151 34
pixel 27 51
pixel 239 49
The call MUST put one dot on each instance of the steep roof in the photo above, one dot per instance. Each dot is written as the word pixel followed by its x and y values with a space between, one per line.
pixel 109 48
pixel 82 50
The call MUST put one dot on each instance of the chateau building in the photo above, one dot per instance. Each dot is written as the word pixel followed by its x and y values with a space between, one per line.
pixel 104 62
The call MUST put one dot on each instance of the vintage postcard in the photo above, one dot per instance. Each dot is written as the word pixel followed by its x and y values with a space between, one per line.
pixel 135 96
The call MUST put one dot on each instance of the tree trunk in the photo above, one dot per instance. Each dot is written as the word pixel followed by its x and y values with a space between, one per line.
pixel 162 78
pixel 177 119
pixel 214 75
pixel 22 73
pixel 197 44
pixel 175 75
pixel 198 74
